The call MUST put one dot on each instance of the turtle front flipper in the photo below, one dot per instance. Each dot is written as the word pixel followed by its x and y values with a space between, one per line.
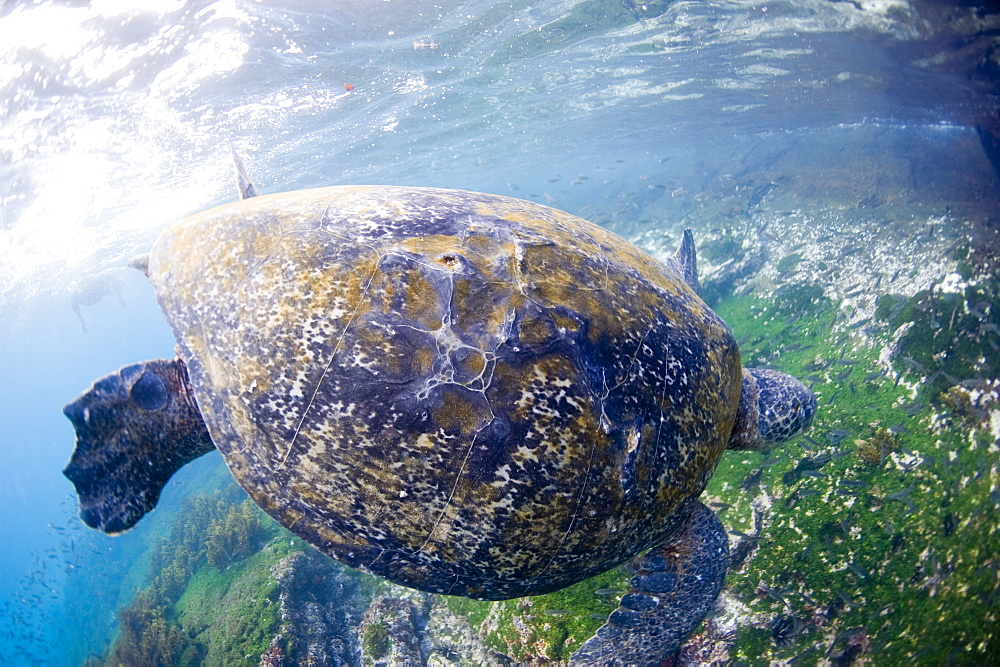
pixel 134 429
pixel 674 588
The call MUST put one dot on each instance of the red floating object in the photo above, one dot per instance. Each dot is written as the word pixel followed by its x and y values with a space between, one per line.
pixel 348 86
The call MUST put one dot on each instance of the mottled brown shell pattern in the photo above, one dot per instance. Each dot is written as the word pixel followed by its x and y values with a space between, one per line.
pixel 459 392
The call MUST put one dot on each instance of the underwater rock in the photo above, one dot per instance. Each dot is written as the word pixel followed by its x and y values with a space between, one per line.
pixel 318 613
pixel 390 632
pixel 449 640
pixel 711 646
pixel 743 546
pixel 408 627
pixel 328 617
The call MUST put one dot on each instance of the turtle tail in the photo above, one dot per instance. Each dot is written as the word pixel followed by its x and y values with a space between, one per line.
pixel 134 429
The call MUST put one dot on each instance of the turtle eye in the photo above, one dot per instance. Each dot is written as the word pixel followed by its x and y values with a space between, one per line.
pixel 149 392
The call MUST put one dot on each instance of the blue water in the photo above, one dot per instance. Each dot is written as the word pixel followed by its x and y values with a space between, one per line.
pixel 116 118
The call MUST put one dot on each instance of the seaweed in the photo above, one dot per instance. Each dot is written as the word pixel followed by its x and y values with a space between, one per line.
pixel 887 508
pixel 233 536
pixel 375 641
pixel 950 332
pixel 545 627
pixel 146 636
pixel 157 627
pixel 881 539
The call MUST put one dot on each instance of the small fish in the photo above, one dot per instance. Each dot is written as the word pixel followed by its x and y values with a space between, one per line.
pixel 813 473
pixel 605 591
pixel 598 617
pixel 796 658
pixel 811 441
pixel 770 461
pixel 557 612
pixel 837 435
pixel 855 483
pixel 751 480
pixel 857 570
pixel 901 495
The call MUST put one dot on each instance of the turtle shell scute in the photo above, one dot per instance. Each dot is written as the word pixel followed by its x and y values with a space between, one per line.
pixel 463 393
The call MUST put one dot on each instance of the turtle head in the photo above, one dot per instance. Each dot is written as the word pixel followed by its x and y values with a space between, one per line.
pixel 774 408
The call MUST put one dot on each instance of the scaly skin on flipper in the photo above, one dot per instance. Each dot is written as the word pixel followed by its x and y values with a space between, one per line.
pixel 674 587
pixel 134 429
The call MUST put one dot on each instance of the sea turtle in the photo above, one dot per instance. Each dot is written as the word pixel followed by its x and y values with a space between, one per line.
pixel 91 291
pixel 463 393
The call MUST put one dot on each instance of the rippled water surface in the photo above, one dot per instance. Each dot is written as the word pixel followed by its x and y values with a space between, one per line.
pixel 849 148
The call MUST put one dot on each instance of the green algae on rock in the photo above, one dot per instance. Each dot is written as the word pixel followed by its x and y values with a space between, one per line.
pixel 881 552
pixel 856 560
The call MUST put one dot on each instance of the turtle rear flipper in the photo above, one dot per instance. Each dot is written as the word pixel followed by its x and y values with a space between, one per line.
pixel 675 587
pixel 243 183
pixel 687 260
pixel 774 408
pixel 134 429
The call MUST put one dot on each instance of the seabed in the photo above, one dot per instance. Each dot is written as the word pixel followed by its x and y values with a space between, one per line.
pixel 872 539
